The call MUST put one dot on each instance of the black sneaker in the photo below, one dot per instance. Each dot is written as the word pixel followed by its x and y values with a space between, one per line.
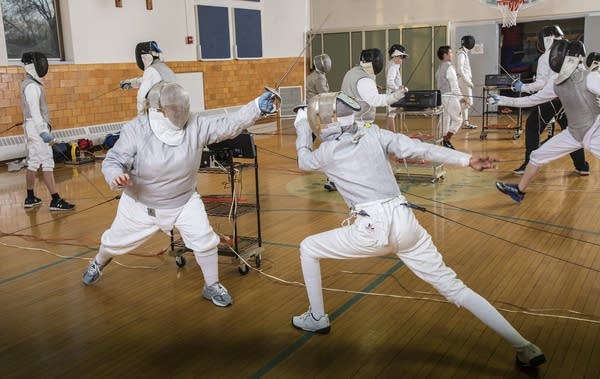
pixel 61 205
pixel 31 202
pixel 583 171
pixel 329 186
pixel 448 144
pixel 521 169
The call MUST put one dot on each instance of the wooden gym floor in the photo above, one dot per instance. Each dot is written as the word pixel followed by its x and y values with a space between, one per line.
pixel 149 320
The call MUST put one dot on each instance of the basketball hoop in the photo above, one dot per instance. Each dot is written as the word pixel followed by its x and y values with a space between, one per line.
pixel 509 10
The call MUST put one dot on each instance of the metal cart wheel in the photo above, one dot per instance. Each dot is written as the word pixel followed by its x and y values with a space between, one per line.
pixel 516 136
pixel 180 261
pixel 243 269
pixel 483 136
pixel 257 260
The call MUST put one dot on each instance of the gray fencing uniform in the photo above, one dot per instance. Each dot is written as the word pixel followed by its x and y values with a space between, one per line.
pixel 579 104
pixel 316 83
pixel 36 119
pixel 163 191
pixel 578 96
pixel 349 87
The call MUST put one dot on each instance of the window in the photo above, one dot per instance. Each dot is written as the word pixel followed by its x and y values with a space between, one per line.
pixel 213 27
pixel 31 25
pixel 248 35
pixel 222 28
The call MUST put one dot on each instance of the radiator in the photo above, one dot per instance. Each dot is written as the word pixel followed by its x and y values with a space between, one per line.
pixel 13 147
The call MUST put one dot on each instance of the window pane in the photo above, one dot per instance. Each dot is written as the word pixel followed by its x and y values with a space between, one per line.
pixel 337 46
pixel 376 40
pixel 30 25
pixel 417 70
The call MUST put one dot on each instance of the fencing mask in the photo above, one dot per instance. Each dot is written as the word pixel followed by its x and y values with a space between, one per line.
pixel 397 50
pixel 331 112
pixel 322 63
pixel 468 42
pixel 593 61
pixel 145 53
pixel 564 58
pixel 168 107
pixel 38 60
pixel 547 36
pixel 372 60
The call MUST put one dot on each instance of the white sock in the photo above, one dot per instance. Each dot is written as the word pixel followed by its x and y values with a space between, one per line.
pixel 103 256
pixel 311 269
pixel 209 264
pixel 484 311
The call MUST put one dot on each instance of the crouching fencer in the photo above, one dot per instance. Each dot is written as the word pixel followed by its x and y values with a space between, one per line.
pixel 356 158
pixel 155 162
pixel 578 90
pixel 148 59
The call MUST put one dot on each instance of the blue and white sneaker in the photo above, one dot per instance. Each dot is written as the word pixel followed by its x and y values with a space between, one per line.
pixel 93 272
pixel 218 294
pixel 511 190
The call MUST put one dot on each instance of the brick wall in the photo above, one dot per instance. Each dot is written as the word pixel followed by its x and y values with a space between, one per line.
pixel 82 95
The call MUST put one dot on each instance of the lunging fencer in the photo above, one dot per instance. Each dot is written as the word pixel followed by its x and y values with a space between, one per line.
pixel 148 59
pixel 545 113
pixel 37 131
pixel 357 159
pixel 155 162
pixel 447 83
pixel 578 90
pixel 465 78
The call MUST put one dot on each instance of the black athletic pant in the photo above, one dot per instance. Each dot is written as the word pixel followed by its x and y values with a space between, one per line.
pixel 539 117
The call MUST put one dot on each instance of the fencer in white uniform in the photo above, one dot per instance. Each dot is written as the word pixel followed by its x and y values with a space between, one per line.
pixel 465 78
pixel 36 122
pixel 148 59
pixel 359 82
pixel 447 83
pixel 578 90
pixel 357 159
pixel 393 81
pixel 155 162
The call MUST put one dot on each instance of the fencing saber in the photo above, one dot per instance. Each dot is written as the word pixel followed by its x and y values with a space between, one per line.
pixel 14 126
pixel 275 90
pixel 104 94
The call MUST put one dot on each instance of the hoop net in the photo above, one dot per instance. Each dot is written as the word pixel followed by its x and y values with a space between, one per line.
pixel 509 10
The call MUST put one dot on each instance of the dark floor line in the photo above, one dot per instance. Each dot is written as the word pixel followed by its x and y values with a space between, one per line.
pixel 291 349
pixel 38 269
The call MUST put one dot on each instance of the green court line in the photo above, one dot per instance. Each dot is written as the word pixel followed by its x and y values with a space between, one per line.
pixel 38 269
pixel 291 349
